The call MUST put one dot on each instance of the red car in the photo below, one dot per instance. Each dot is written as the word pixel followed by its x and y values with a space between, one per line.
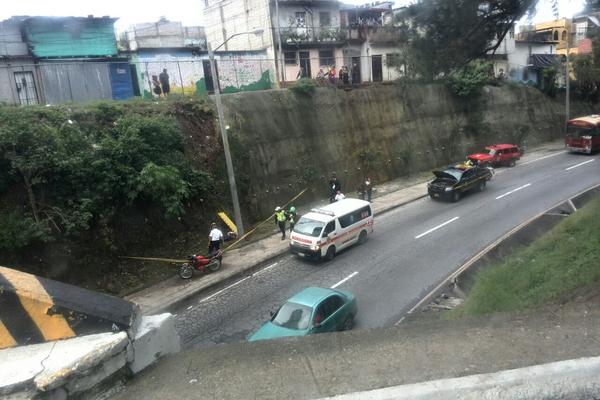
pixel 497 154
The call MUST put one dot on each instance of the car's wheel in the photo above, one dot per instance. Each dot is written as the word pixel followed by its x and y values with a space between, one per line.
pixel 455 196
pixel 185 271
pixel 330 255
pixel 362 237
pixel 348 323
pixel 432 197
pixel 512 163
pixel 481 186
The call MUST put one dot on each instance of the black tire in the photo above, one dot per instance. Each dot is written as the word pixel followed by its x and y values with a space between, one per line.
pixel 348 323
pixel 481 186
pixel 185 271
pixel 214 265
pixel 362 237
pixel 455 196
pixel 330 255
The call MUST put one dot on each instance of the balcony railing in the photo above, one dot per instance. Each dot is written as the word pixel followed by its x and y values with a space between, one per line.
pixel 326 35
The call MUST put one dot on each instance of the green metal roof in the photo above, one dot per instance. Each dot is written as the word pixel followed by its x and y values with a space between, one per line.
pixel 71 36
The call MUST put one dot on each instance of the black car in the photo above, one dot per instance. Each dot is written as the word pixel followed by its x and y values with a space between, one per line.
pixel 453 181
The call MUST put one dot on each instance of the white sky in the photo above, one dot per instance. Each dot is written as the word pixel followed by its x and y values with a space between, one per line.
pixel 187 11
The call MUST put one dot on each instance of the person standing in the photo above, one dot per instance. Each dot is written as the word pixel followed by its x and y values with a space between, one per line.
pixel 292 217
pixel 339 196
pixel 368 189
pixel 215 238
pixel 280 218
pixel 164 82
pixel 156 86
pixel 334 187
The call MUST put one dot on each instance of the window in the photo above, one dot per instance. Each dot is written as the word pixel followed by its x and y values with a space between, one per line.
pixel 324 18
pixel 564 36
pixel 326 57
pixel 328 307
pixel 289 57
pixel 292 316
pixel 392 59
pixel 355 216
pixel 329 228
pixel 555 36
pixel 300 19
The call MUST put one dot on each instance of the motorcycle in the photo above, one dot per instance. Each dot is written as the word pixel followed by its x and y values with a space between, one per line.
pixel 210 263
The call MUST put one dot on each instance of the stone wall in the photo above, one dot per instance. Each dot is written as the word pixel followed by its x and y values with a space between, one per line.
pixel 387 131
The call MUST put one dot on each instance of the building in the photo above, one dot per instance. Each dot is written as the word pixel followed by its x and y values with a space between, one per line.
pixel 182 52
pixel 503 57
pixel 19 79
pixel 312 35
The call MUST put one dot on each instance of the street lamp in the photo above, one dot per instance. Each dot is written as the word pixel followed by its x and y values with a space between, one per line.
pixel 232 186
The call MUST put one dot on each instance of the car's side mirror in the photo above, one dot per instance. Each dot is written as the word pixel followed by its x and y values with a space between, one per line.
pixel 271 313
pixel 317 325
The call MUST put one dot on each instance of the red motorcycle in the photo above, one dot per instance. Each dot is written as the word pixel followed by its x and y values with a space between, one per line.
pixel 210 263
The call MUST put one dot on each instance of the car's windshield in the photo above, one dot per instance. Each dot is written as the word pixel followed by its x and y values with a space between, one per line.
pixel 578 131
pixel 491 152
pixel 309 227
pixel 293 316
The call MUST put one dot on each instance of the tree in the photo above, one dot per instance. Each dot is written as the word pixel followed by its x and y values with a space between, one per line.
pixel 444 35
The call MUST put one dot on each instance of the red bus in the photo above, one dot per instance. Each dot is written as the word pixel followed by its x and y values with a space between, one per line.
pixel 583 134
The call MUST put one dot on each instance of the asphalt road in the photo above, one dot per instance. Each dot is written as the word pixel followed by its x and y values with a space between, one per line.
pixel 413 248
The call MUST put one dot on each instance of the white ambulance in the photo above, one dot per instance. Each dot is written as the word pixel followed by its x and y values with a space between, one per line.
pixel 323 232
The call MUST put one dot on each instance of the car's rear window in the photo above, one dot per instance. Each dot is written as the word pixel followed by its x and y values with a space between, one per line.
pixel 293 316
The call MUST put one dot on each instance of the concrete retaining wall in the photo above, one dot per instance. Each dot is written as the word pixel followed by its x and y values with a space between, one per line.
pixel 386 131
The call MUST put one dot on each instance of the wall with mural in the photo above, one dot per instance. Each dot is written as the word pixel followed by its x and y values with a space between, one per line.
pixel 188 71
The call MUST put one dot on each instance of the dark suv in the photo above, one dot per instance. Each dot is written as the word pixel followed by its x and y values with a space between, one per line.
pixel 452 182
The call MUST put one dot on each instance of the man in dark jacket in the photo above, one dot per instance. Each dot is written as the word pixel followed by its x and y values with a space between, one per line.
pixel 334 187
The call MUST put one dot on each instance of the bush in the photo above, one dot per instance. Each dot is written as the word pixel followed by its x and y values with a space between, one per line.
pixel 470 79
pixel 18 231
pixel 304 87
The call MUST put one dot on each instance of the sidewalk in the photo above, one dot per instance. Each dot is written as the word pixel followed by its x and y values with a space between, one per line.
pixel 386 197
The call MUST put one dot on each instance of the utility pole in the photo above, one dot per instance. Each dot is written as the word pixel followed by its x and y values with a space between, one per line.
pixel 280 53
pixel 567 77
pixel 230 173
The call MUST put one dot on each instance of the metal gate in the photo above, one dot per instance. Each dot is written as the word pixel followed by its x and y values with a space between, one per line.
pixel 26 88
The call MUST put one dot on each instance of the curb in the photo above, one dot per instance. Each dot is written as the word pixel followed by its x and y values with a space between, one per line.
pixel 483 252
pixel 246 271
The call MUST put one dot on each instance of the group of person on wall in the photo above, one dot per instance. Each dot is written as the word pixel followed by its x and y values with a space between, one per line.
pixel 344 76
pixel 365 189
pixel 161 84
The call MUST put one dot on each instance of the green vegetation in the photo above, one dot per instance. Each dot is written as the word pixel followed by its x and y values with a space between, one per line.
pixel 469 80
pixel 304 87
pixel 564 259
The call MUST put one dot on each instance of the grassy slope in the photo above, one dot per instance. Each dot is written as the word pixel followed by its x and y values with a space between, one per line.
pixel 564 259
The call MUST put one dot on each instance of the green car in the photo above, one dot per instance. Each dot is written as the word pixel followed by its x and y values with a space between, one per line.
pixel 313 310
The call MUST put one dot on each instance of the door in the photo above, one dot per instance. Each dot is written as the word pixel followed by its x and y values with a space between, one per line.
pixel 355 70
pixel 377 66
pixel 208 78
pixel 304 57
pixel 135 80
pixel 328 316
pixel 26 88
pixel 120 81
pixel 329 228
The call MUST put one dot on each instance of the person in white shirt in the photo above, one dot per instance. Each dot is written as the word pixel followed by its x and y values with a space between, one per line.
pixel 339 196
pixel 215 238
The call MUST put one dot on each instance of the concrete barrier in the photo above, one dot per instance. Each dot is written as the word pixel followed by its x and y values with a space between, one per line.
pixel 37 310
pixel 571 379
pixel 62 368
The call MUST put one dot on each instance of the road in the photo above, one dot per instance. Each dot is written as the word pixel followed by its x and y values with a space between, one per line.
pixel 413 248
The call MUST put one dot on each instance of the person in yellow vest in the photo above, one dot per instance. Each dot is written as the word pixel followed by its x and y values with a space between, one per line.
pixel 280 219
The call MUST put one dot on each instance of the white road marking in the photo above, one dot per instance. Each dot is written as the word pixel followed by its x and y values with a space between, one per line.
pixel 436 228
pixel 512 191
pixel 345 279
pixel 579 165
pixel 266 268
pixel 400 321
pixel 572 205
pixel 190 307
pixel 224 289
pixel 541 158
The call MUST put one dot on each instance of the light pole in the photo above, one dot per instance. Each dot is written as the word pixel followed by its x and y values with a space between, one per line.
pixel 567 77
pixel 217 88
